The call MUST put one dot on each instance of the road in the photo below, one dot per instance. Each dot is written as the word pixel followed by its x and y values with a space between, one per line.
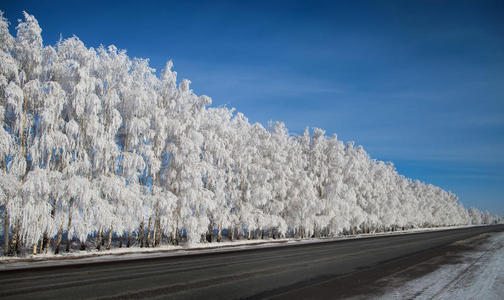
pixel 250 274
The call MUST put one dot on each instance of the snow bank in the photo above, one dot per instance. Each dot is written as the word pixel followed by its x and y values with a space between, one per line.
pixel 478 275
pixel 122 254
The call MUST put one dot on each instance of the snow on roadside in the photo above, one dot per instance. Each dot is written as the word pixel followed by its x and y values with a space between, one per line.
pixel 122 254
pixel 478 275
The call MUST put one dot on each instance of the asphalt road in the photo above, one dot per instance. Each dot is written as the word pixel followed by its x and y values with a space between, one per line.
pixel 252 274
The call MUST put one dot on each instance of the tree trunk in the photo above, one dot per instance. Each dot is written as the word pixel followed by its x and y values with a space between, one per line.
pixel 239 232
pixel 109 240
pixel 154 234
pixel 159 233
pixel 128 242
pixel 210 232
pixel 69 237
pixel 219 233
pixel 34 252
pixel 99 239
pixel 58 240
pixel 6 227
pixel 231 233
pixel 141 234
pixel 180 234
pixel 174 240
pixel 45 238
pixel 149 227
pixel 41 241
pixel 18 239
pixel 14 242
pixel 83 246
pixel 157 226
pixel 45 243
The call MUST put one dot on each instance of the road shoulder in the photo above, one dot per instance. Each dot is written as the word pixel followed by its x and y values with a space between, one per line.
pixel 474 266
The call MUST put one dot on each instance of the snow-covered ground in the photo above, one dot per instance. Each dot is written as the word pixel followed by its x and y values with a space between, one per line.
pixel 475 274
pixel 120 254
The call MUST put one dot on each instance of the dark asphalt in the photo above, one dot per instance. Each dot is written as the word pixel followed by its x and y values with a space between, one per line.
pixel 253 274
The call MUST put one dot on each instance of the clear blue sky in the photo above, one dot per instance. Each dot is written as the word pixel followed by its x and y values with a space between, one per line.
pixel 419 83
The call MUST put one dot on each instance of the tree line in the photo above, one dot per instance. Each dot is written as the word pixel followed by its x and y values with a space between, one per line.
pixel 95 146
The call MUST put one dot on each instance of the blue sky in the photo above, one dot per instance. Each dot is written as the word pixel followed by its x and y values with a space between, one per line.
pixel 418 83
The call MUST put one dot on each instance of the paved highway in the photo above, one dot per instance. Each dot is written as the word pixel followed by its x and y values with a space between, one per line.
pixel 252 274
